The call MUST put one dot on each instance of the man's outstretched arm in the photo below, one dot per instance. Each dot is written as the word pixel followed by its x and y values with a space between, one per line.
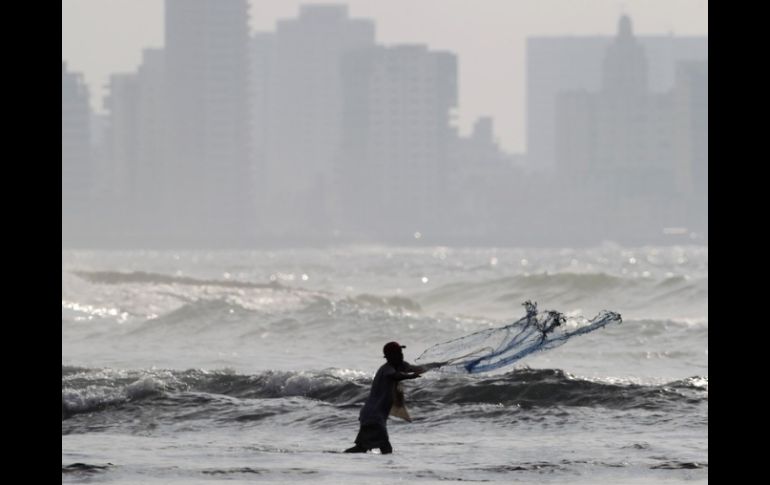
pixel 401 376
pixel 421 369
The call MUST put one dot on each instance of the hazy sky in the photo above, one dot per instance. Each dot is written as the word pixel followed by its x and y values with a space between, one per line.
pixel 100 37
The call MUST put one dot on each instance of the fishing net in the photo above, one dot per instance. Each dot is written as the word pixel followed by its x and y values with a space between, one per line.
pixel 494 348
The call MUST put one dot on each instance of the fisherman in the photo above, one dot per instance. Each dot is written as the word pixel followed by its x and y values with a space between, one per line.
pixel 374 415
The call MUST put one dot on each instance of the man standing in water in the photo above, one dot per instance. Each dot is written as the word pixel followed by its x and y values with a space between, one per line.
pixel 374 414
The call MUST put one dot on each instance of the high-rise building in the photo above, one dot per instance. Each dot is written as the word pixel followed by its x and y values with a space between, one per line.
pixel 396 130
pixel 625 153
pixel 619 138
pixel 482 186
pixel 691 115
pixel 207 75
pixel 121 103
pixel 298 97
pixel 573 64
pixel 625 135
pixel 136 180
pixel 76 166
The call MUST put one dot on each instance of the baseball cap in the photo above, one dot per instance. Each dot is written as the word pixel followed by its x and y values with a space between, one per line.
pixel 392 348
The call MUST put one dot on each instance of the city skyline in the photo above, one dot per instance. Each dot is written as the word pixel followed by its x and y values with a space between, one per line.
pixel 100 38
pixel 317 132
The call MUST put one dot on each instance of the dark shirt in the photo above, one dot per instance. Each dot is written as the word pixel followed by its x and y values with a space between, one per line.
pixel 377 407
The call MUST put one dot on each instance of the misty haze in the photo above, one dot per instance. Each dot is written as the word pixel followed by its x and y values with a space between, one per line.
pixel 315 134
pixel 381 241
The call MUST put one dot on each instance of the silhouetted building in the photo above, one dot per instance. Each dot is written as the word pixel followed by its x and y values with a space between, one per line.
pixel 620 151
pixel 574 64
pixel 137 182
pixel 207 76
pixel 692 151
pixel 298 99
pixel 621 138
pixel 153 192
pixel 122 104
pixel 396 132
pixel 76 166
pixel 691 115
pixel 482 186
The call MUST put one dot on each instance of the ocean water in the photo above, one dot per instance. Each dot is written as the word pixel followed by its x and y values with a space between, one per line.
pixel 251 366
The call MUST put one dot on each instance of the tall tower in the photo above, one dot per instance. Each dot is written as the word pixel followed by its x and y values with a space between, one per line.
pixel 297 116
pixel 576 63
pixel 625 64
pixel 76 168
pixel 208 114
pixel 396 130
